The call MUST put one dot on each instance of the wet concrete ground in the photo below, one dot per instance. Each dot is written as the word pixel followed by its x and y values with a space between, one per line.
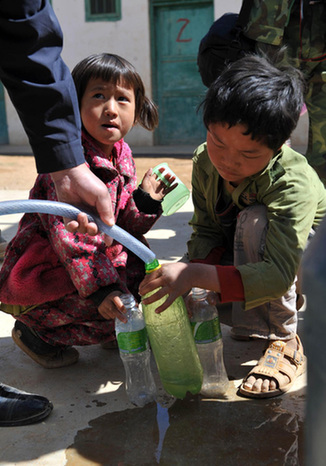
pixel 93 423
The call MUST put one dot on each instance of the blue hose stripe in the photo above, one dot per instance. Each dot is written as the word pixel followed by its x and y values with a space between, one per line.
pixel 69 211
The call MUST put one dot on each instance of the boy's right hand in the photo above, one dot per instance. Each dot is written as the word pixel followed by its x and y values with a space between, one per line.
pixel 171 280
pixel 112 307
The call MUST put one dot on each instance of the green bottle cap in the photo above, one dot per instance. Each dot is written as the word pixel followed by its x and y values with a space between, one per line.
pixel 151 266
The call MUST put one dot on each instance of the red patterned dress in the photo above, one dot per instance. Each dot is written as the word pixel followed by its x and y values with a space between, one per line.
pixel 53 280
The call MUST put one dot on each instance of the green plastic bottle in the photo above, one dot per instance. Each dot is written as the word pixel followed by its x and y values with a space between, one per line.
pixel 173 345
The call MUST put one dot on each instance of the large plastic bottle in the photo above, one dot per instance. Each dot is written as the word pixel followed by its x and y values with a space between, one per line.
pixel 135 354
pixel 173 345
pixel 208 338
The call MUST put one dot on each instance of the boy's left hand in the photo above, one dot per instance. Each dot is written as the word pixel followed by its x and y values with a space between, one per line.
pixel 156 188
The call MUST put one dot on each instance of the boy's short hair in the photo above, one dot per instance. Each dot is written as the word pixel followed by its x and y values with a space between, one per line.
pixel 253 92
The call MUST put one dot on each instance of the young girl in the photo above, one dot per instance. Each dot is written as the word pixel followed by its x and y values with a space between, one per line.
pixel 63 288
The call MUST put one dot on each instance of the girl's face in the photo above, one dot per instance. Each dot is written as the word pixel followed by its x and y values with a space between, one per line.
pixel 107 112
pixel 234 154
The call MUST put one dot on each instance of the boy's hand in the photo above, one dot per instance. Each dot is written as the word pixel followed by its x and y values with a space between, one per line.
pixel 173 280
pixel 156 188
pixel 112 307
pixel 177 279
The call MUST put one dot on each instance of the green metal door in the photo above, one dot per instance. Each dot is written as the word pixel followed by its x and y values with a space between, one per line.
pixel 177 28
pixel 3 119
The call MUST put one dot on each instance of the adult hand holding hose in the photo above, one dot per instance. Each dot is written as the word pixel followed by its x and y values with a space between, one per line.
pixel 80 187
pixel 69 211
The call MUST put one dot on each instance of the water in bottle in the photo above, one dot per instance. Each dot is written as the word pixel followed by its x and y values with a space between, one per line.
pixel 135 354
pixel 208 337
pixel 173 345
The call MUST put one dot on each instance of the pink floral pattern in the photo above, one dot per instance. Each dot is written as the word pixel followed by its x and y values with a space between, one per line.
pixel 44 250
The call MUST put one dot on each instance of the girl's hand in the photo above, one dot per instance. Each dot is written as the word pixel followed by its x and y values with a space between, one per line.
pixel 173 280
pixel 112 307
pixel 156 188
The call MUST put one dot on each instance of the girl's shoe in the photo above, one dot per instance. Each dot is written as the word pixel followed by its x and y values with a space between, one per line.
pixel 3 246
pixel 48 356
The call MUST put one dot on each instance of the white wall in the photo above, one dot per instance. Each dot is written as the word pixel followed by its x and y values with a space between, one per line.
pixel 129 38
pixel 232 6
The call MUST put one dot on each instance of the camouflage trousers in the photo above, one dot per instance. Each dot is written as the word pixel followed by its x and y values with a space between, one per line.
pixel 305 37
pixel 305 40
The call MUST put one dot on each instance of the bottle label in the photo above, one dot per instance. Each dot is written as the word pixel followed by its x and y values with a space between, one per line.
pixel 207 331
pixel 132 342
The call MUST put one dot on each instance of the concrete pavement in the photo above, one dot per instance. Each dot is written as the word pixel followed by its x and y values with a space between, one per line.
pixel 93 423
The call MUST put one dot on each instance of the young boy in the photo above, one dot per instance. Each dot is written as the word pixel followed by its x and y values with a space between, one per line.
pixel 255 202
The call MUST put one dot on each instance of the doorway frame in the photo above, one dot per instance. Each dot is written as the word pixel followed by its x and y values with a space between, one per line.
pixel 153 4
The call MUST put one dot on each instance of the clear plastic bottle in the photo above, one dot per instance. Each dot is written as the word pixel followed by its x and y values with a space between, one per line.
pixel 208 338
pixel 173 345
pixel 135 354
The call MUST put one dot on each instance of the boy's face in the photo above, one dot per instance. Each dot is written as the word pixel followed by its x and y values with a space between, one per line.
pixel 234 154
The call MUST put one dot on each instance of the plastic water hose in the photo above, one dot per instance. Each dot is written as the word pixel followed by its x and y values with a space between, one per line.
pixel 69 211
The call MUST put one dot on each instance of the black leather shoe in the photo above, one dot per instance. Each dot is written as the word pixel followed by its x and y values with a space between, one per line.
pixel 18 408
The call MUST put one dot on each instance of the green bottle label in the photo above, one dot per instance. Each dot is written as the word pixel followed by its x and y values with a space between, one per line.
pixel 207 331
pixel 132 342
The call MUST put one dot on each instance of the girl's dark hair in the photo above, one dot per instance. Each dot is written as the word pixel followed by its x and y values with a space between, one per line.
pixel 253 92
pixel 115 69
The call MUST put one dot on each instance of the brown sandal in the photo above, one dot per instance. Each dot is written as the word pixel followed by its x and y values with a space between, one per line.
pixel 277 361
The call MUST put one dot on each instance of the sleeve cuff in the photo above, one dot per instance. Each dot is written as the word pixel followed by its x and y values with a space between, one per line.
pixel 145 203
pixel 231 283
pixel 212 258
pixel 103 292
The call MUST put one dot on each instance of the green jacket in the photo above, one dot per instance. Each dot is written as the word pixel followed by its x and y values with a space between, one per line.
pixel 295 200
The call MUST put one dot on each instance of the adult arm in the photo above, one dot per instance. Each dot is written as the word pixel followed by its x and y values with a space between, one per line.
pixel 42 90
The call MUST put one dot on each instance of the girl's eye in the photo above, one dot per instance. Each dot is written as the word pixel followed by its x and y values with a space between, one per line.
pixel 98 96
pixel 123 99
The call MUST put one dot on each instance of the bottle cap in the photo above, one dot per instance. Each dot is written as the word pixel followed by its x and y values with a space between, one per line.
pixel 151 266
pixel 199 293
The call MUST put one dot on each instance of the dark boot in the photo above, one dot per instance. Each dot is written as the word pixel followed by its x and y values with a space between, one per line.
pixel 48 356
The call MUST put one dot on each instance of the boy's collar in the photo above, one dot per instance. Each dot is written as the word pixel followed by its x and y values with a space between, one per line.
pixel 273 168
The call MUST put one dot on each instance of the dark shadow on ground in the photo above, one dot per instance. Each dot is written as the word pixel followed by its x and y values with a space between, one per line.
pixel 193 431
